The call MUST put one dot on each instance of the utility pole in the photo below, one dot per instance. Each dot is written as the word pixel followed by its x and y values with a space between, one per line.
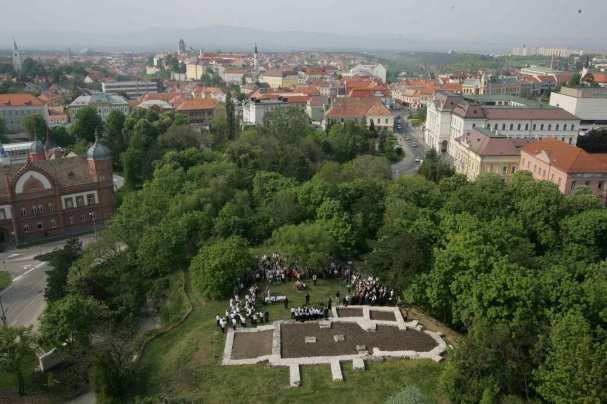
pixel 92 215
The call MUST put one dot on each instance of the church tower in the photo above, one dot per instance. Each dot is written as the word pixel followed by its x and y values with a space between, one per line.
pixel 99 161
pixel 256 63
pixel 17 63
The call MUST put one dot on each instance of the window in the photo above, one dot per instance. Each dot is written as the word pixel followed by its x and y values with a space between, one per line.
pixel 503 126
pixel 53 224
pixel 542 127
pixel 80 201
pixel 495 127
pixel 572 186
pixel 488 126
pixel 23 212
pixel 557 127
pixel 26 228
pixel 35 210
pixel 572 127
pixel 90 199
pixel 549 126
pixel 518 127
pixel 50 208
pixel 587 183
pixel 565 127
pixel 534 126
pixel 511 126
pixel 39 225
pixel 83 218
pixel 473 125
pixel 69 203
pixel 2 214
pixel 600 184
pixel 41 209
pixel 526 126
pixel 70 220
pixel 504 170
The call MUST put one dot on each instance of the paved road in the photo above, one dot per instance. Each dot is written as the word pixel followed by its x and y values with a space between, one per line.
pixel 407 166
pixel 24 300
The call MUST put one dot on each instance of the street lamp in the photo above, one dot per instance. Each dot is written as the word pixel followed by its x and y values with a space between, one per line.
pixel 92 215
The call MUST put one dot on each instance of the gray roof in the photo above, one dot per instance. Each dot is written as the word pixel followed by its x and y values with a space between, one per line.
pixel 98 98
pixel 98 152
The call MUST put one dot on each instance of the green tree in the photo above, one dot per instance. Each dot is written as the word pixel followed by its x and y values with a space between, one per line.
pixel 71 320
pixel 114 137
pixel 574 369
pixel 434 168
pixel 35 126
pixel 16 350
pixel 230 116
pixel 86 123
pixel 348 140
pixel 60 263
pixel 220 266
pixel 410 395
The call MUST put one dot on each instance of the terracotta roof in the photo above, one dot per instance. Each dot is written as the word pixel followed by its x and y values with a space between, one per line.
pixel 159 96
pixel 19 100
pixel 357 107
pixel 484 144
pixel 308 90
pixel 568 158
pixel 197 104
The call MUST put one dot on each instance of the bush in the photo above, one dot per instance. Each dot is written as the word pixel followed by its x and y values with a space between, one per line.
pixel 220 266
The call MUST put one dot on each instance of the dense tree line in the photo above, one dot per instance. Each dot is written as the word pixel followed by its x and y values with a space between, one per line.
pixel 516 266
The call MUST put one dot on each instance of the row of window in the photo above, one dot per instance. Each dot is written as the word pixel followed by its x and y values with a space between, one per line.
pixel 79 201
pixel 53 223
pixel 38 210
pixel 534 127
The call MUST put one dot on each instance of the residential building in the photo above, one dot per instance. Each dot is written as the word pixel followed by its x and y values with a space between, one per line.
pixel 450 117
pixel 14 107
pixel 132 89
pixel 194 71
pixel 104 103
pixel 198 111
pixel 365 111
pixel 256 108
pixel 567 166
pixel 15 153
pixel 316 107
pixel 587 103
pixel 481 151
pixel 43 199
pixel 280 79
pixel 232 75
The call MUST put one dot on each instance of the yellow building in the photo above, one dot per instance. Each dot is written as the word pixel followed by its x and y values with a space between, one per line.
pixel 280 79
pixel 194 71
pixel 480 151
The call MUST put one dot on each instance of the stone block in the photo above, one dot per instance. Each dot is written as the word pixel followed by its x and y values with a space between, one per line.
pixel 358 364
pixel 338 338
pixel 310 340
pixel 361 348
pixel 294 376
pixel 336 372
pixel 324 324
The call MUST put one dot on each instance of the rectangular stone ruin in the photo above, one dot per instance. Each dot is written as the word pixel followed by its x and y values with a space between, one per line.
pixel 336 372
pixel 338 338
pixel 361 348
pixel 294 376
pixel 324 324
pixel 310 340
pixel 358 364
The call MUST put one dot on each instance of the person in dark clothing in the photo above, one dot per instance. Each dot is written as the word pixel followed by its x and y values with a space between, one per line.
pixel 337 296
pixel 286 302
pixel 329 304
pixel 307 298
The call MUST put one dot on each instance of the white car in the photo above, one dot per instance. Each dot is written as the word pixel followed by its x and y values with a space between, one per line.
pixel 418 161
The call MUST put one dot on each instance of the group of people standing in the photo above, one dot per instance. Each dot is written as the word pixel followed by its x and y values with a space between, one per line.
pixel 368 291
pixel 273 268
pixel 242 312
pixel 308 313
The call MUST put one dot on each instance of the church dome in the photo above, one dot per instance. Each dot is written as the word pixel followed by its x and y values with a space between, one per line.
pixel 98 152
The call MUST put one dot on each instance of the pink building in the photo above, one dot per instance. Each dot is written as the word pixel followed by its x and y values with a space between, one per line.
pixel 566 165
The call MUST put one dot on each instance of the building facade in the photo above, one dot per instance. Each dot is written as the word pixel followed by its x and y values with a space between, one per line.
pixel 587 103
pixel 567 166
pixel 132 89
pixel 367 111
pixel 44 199
pixel 480 151
pixel 104 104
pixel 14 107
pixel 198 111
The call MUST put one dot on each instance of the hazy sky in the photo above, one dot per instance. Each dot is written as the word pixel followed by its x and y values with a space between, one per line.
pixel 529 20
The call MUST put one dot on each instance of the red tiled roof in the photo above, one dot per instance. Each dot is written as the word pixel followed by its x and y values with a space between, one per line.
pixel 528 113
pixel 485 145
pixel 19 100
pixel 197 104
pixel 357 107
pixel 569 158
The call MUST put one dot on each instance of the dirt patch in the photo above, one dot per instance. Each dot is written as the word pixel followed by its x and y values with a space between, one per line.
pixel 431 323
pixel 386 338
pixel 349 312
pixel 382 315
pixel 249 345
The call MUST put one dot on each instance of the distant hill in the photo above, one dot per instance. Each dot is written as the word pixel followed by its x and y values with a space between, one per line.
pixel 235 38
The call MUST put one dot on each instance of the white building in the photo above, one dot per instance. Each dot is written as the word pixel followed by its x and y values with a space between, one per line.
pixel 132 89
pixel 104 104
pixel 255 110
pixel 377 71
pixel 450 117
pixel 588 104
pixel 17 62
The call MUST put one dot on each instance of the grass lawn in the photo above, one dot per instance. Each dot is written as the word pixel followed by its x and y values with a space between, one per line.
pixel 185 364
pixel 5 279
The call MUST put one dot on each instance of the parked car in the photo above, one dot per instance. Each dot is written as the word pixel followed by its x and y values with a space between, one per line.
pixel 414 144
pixel 418 161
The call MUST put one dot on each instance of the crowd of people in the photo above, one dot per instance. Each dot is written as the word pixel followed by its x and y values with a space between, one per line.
pixel 274 268
pixel 367 291
pixel 308 313
pixel 241 312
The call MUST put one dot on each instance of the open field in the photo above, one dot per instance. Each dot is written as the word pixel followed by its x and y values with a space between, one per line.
pixel 185 363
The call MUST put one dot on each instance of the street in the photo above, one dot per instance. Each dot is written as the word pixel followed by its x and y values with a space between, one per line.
pixel 408 166
pixel 23 300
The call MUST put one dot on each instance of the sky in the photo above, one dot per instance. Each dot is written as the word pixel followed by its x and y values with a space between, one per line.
pixel 536 22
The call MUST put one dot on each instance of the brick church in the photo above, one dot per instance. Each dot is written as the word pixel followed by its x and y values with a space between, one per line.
pixel 51 196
